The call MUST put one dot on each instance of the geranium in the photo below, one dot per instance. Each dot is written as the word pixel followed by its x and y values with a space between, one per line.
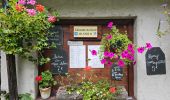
pixel 141 49
pixel 38 78
pixel 22 2
pixel 111 54
pixel 31 2
pixel 52 19
pixel 148 45
pixel 103 61
pixel 88 68
pixel 31 12
pixel 109 37
pixel 121 63
pixel 109 63
pixel 19 8
pixel 110 25
pixel 130 46
pixel 106 53
pixel 40 8
pixel 112 89
pixel 94 52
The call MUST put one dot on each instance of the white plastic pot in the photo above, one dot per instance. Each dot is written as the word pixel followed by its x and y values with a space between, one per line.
pixel 45 92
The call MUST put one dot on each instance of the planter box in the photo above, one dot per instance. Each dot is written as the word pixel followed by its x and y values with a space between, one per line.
pixel 62 94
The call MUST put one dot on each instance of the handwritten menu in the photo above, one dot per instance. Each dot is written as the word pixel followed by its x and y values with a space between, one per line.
pixel 77 56
pixel 155 61
pixel 94 61
pixel 56 36
pixel 59 63
pixel 116 72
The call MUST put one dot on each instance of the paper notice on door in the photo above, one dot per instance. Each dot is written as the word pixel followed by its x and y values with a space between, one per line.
pixel 93 60
pixel 77 56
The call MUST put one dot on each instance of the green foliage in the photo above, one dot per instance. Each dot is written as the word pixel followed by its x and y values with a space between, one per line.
pixel 117 44
pixel 25 96
pixel 23 34
pixel 94 91
pixel 47 80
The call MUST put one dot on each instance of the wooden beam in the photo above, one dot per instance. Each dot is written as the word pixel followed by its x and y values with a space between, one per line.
pixel 12 78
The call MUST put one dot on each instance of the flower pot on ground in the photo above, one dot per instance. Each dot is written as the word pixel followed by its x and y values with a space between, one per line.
pixel 46 81
pixel 45 92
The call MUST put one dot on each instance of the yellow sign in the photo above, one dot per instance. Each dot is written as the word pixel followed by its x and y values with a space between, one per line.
pixel 85 31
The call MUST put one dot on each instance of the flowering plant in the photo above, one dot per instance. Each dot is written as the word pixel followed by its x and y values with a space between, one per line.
pixel 45 80
pixel 100 90
pixel 24 26
pixel 117 48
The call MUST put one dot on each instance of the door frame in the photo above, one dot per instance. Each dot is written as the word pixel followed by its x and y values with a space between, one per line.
pixel 128 22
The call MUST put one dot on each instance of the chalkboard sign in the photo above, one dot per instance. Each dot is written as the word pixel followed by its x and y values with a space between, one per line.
pixel 155 61
pixel 116 72
pixel 59 63
pixel 56 36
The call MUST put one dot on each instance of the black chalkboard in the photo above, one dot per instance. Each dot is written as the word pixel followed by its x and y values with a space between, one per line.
pixel 116 72
pixel 59 63
pixel 56 36
pixel 155 61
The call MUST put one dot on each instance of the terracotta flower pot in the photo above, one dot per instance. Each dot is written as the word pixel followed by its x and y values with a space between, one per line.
pixel 45 92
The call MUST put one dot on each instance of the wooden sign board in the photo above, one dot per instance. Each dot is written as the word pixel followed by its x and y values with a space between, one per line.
pixel 116 72
pixel 57 36
pixel 85 32
pixel 59 62
pixel 155 61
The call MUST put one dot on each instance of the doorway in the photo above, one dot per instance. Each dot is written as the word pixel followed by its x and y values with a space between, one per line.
pixel 124 25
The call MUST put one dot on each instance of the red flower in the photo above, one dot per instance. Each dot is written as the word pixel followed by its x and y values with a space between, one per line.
pixel 88 68
pixel 112 89
pixel 40 8
pixel 38 78
pixel 19 8
pixel 52 19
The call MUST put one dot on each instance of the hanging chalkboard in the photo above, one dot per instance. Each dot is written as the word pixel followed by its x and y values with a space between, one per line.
pixel 59 62
pixel 155 61
pixel 116 72
pixel 56 36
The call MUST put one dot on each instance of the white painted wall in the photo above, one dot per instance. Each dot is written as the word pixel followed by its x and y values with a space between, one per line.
pixel 26 73
pixel 147 12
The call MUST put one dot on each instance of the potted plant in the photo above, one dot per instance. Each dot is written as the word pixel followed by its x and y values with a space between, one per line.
pixel 46 81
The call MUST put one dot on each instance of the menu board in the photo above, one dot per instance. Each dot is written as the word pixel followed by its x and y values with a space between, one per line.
pixel 56 36
pixel 155 61
pixel 116 72
pixel 77 56
pixel 59 63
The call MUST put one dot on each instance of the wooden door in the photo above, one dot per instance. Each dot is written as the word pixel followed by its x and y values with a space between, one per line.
pixel 122 25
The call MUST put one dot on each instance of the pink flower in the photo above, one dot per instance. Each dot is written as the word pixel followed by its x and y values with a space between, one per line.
pixel 141 49
pixel 103 61
pixel 132 51
pixel 31 2
pixel 110 25
pixel 130 57
pixel 124 54
pixel 31 12
pixel 109 37
pixel 130 46
pixel 148 45
pixel 109 64
pixel 121 63
pixel 111 54
pixel 106 53
pixel 52 19
pixel 134 62
pixel 21 2
pixel 94 52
